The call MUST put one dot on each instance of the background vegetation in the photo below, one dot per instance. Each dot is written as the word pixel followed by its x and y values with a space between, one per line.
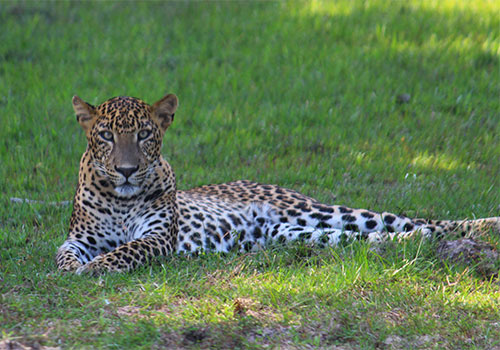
pixel 301 94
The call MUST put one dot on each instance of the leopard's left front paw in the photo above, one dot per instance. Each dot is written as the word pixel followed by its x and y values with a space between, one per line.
pixel 99 265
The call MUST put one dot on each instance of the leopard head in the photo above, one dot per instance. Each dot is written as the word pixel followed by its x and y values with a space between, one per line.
pixel 124 136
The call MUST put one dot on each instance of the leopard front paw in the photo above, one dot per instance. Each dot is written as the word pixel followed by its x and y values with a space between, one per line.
pixel 99 265
pixel 94 267
pixel 70 266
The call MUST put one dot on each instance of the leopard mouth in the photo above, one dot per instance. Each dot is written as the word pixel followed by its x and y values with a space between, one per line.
pixel 126 181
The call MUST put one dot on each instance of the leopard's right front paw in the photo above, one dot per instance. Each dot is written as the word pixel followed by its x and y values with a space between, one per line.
pixel 94 267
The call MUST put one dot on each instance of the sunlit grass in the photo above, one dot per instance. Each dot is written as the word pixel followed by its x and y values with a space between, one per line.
pixel 441 161
pixel 449 7
pixel 321 7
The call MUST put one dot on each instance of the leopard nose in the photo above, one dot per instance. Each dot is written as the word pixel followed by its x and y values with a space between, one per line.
pixel 127 171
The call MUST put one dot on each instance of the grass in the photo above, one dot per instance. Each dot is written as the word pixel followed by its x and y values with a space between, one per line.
pixel 302 94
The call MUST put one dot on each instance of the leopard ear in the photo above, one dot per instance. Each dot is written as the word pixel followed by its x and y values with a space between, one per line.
pixel 85 113
pixel 164 110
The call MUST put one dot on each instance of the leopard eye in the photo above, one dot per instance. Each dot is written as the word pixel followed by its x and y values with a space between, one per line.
pixel 143 134
pixel 106 135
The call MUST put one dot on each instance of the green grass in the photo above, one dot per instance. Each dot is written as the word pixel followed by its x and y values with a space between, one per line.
pixel 301 94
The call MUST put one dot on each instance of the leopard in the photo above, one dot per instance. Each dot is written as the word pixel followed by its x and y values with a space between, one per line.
pixel 127 210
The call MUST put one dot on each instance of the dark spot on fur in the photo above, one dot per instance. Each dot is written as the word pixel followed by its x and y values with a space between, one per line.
pixel 345 210
pixel 104 211
pixel 87 204
pixel 324 208
pixel 247 246
pixel 316 216
pixel 408 227
pixel 301 222
pixel 195 224
pixel 153 195
pixel 370 224
pixel 241 235
pixel 257 233
pixel 323 225
pixel 389 219
pixel 305 235
pixel 224 226
pixel 209 245
pixel 199 216
pixel 103 183
pixel 348 218
pixel 236 220
pixel 351 227
pixel 303 207
pixel 216 237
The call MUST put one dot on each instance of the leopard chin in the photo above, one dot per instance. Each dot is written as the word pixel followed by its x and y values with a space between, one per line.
pixel 127 190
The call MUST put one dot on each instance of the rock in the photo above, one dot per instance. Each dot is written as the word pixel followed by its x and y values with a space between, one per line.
pixel 469 252
pixel 403 98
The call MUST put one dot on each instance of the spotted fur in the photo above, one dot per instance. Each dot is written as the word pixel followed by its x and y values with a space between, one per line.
pixel 127 209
